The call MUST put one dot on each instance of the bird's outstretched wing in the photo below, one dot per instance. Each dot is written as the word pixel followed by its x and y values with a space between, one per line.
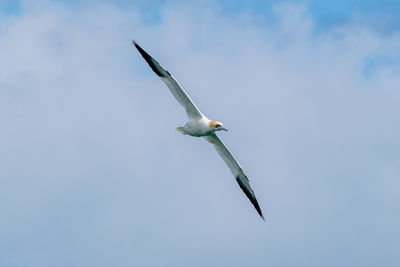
pixel 236 169
pixel 178 92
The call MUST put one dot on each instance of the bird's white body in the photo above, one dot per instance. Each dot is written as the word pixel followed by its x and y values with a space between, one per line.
pixel 199 125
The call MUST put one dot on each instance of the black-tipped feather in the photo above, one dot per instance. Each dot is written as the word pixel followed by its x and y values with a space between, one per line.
pixel 154 65
pixel 192 111
pixel 250 196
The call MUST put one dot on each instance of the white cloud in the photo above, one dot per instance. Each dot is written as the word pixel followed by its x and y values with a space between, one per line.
pixel 94 173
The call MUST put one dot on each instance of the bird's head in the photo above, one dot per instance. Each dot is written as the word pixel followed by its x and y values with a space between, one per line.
pixel 217 126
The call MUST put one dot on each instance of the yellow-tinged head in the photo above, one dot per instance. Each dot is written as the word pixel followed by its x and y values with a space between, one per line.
pixel 217 126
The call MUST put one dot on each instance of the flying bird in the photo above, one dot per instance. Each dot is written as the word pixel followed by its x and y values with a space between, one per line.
pixel 200 126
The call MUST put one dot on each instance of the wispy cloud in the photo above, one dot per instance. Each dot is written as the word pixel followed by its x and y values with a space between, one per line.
pixel 94 173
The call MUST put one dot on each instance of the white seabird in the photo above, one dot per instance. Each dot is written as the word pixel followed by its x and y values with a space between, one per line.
pixel 200 125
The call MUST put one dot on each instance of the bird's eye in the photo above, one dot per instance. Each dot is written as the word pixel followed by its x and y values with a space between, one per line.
pixel 218 126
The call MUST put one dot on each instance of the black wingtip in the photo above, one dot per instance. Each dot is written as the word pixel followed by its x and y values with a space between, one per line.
pixel 141 51
pixel 151 61
pixel 258 209
pixel 135 44
pixel 251 197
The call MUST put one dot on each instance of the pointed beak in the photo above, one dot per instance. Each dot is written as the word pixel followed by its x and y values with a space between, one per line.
pixel 223 128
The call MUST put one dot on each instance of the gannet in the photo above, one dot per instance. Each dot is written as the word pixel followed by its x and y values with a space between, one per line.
pixel 200 126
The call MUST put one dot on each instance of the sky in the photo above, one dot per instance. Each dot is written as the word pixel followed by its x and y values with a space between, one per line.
pixel 93 172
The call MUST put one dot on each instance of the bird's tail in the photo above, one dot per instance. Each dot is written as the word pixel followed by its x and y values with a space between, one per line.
pixel 180 129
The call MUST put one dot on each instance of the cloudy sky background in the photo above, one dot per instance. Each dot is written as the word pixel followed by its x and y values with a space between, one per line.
pixel 93 172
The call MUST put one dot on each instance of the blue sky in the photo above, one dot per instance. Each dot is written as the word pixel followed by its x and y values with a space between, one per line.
pixel 325 13
pixel 93 172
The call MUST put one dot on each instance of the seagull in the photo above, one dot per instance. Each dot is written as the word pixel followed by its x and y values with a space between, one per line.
pixel 200 126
